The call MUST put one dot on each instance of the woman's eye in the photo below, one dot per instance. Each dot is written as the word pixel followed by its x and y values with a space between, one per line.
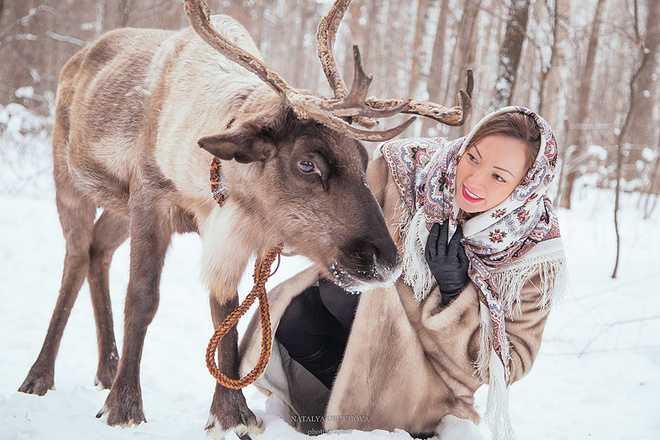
pixel 472 158
pixel 306 166
pixel 499 178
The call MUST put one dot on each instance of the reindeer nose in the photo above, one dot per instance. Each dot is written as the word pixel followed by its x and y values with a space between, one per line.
pixel 373 259
pixel 363 251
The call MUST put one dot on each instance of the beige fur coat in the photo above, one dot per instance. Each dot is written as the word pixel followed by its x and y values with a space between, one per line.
pixel 407 364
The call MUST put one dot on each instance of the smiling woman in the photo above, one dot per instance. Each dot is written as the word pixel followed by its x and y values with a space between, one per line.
pixel 482 261
pixel 500 152
pixel 488 172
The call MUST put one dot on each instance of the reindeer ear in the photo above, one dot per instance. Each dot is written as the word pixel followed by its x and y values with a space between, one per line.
pixel 241 144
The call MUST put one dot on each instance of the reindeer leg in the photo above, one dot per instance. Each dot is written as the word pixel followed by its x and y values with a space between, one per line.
pixel 150 237
pixel 110 231
pixel 76 213
pixel 229 410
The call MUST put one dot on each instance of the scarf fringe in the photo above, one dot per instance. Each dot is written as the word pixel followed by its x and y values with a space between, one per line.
pixel 553 284
pixel 497 408
pixel 497 403
pixel 416 272
pixel 510 280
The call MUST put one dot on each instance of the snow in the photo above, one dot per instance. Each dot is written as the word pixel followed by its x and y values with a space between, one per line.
pixel 24 92
pixel 649 154
pixel 597 151
pixel 595 377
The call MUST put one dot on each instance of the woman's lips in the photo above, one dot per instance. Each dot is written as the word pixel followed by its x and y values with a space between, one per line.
pixel 469 196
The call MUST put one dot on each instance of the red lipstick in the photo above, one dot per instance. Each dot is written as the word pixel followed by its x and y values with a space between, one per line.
pixel 468 197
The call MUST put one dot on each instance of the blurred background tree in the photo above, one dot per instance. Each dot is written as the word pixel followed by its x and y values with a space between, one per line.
pixel 589 66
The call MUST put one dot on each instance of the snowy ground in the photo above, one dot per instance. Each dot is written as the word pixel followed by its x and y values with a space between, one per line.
pixel 597 376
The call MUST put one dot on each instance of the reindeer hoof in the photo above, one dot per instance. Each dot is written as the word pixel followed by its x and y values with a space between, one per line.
pixel 122 409
pixel 243 430
pixel 37 382
pixel 105 376
pixel 125 419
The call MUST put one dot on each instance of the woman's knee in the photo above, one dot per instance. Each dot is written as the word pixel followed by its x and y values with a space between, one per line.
pixel 301 318
pixel 341 304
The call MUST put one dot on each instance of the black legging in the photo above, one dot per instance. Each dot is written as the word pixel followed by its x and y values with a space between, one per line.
pixel 315 326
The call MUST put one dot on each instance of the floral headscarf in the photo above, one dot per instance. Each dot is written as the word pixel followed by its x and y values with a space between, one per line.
pixel 505 245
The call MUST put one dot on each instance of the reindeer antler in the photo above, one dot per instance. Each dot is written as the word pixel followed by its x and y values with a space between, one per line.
pixel 457 115
pixel 330 112
pixel 326 35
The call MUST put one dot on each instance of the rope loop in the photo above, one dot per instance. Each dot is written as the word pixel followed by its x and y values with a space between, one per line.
pixel 261 274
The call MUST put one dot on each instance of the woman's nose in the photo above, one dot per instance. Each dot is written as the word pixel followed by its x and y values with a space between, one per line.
pixel 476 181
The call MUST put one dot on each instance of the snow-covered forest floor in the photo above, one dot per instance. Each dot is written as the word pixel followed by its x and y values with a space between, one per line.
pixel 596 377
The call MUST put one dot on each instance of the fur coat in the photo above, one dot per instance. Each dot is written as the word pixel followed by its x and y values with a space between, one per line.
pixel 407 363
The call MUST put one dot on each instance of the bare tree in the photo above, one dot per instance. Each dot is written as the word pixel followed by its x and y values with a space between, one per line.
pixel 414 65
pixel 552 88
pixel 434 83
pixel 516 29
pixel 464 35
pixel 638 101
pixel 654 185
pixel 579 119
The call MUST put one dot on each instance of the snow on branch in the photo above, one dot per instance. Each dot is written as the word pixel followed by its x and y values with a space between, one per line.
pixel 25 20
pixel 7 37
pixel 66 39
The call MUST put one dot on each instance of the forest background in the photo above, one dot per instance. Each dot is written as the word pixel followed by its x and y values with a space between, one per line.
pixel 589 67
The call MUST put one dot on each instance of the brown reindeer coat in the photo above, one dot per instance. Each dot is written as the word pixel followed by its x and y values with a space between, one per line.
pixel 406 364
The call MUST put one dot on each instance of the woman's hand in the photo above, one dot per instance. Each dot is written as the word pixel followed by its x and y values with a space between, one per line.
pixel 448 262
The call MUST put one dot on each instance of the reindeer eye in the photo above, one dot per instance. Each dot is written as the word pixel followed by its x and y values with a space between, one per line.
pixel 306 166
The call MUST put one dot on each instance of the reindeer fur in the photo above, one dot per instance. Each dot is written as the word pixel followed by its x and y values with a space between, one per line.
pixel 133 110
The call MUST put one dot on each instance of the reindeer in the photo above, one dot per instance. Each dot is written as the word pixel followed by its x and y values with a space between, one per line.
pixel 133 110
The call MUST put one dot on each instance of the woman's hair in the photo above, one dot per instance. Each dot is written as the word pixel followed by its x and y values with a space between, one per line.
pixel 515 125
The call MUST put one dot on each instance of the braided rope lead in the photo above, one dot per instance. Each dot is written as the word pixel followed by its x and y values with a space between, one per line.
pixel 261 274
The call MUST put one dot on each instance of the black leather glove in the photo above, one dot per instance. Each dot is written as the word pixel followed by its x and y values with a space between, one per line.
pixel 448 262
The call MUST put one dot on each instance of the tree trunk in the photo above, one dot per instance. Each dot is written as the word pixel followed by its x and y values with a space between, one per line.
pixel 355 13
pixel 617 196
pixel 100 17
pixel 654 184
pixel 469 59
pixel 460 55
pixel 461 33
pixel 298 54
pixel 514 38
pixel 553 92
pixel 580 114
pixel 370 35
pixel 414 64
pixel 124 11
pixel 643 124
pixel 260 13
pixel 434 83
pixel 638 103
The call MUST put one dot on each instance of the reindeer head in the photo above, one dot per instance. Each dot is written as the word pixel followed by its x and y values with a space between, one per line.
pixel 299 166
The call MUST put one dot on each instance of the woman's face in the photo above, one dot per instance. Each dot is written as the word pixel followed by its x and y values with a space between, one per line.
pixel 488 172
